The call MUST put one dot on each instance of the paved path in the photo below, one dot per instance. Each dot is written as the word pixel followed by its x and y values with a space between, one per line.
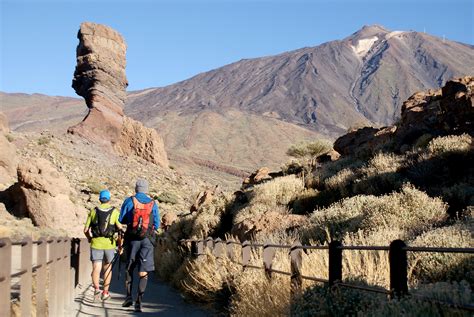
pixel 160 300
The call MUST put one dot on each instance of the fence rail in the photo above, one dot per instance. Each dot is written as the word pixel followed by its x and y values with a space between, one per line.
pixel 61 264
pixel 398 262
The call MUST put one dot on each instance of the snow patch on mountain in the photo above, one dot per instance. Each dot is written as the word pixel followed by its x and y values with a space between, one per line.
pixel 363 46
pixel 394 33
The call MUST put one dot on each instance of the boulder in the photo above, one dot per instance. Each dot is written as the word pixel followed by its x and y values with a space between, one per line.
pixel 330 156
pixel 100 78
pixel 259 176
pixel 267 223
pixel 363 141
pixel 203 198
pixel 167 220
pixel 4 127
pixel 43 195
pixel 141 141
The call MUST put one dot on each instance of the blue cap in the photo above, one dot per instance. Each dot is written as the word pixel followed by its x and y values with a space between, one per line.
pixel 104 196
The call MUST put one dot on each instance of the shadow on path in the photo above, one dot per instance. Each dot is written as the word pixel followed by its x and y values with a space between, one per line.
pixel 159 300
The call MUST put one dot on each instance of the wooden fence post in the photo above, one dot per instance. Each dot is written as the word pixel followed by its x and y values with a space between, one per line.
pixel 245 254
pixel 53 279
pixel 200 247
pixel 397 255
pixel 335 262
pixel 268 256
pixel 41 277
pixel 84 254
pixel 219 248
pixel 229 248
pixel 5 278
pixel 194 248
pixel 296 257
pixel 26 278
pixel 69 273
pixel 210 244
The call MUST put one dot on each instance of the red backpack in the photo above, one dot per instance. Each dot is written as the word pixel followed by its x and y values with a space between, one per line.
pixel 142 223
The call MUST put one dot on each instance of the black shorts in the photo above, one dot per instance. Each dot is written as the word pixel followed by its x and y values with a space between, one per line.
pixel 140 253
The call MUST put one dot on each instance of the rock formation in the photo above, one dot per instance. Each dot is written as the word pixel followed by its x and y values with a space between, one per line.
pixel 100 78
pixel 203 198
pixel 8 161
pixel 449 110
pixel 43 195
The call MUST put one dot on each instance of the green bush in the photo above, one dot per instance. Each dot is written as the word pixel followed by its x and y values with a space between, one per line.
pixel 44 140
pixel 167 198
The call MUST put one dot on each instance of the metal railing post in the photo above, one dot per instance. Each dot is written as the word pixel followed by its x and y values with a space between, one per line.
pixel 268 256
pixel 296 264
pixel 5 278
pixel 335 262
pixel 245 254
pixel 398 268
pixel 26 278
pixel 41 278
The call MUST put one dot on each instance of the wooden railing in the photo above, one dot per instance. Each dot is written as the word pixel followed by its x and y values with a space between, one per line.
pixel 398 263
pixel 61 265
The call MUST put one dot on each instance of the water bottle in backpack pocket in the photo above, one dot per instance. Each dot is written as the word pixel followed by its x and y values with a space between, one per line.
pixel 142 224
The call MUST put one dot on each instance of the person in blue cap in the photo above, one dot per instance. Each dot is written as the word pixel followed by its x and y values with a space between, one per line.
pixel 140 214
pixel 101 225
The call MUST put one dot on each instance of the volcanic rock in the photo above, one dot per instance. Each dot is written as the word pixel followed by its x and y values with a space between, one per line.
pixel 141 141
pixel 267 223
pixel 43 194
pixel 203 198
pixel 259 176
pixel 363 141
pixel 100 78
pixel 449 110
pixel 8 161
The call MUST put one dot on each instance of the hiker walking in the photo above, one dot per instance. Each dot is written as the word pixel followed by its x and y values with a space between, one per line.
pixel 102 222
pixel 141 215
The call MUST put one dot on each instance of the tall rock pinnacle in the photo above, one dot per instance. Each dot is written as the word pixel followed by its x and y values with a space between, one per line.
pixel 100 78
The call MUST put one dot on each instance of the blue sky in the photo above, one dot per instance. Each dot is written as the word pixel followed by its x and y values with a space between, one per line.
pixel 169 41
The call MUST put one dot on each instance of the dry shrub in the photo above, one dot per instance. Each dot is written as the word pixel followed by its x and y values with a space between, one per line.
pixel 322 300
pixel 341 181
pixel 332 168
pixel 209 216
pixel 432 267
pixel 274 195
pixel 256 295
pixel 449 144
pixel 456 293
pixel 304 202
pixel 168 259
pixel 279 191
pixel 409 210
pixel 209 279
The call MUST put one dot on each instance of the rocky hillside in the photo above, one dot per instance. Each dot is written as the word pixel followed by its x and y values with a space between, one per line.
pixel 362 78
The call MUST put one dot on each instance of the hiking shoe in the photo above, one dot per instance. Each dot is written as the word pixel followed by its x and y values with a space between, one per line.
pixel 105 296
pixel 138 307
pixel 97 293
pixel 127 302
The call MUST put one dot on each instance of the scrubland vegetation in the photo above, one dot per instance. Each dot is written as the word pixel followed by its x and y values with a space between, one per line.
pixel 423 196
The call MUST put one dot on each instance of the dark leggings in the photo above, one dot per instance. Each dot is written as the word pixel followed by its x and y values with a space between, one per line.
pixel 129 282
